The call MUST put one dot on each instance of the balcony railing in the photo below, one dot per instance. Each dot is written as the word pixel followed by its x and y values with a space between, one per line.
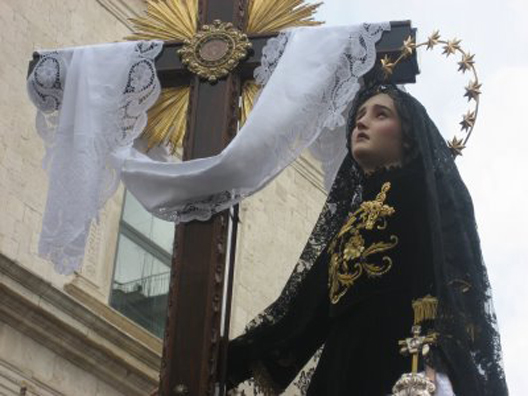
pixel 149 286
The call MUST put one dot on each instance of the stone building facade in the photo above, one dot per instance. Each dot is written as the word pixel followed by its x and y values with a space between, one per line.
pixel 58 334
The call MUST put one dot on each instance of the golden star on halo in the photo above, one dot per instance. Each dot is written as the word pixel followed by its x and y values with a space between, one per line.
pixel 473 90
pixel 456 146
pixel 387 66
pixel 433 39
pixel 408 47
pixel 451 47
pixel 468 121
pixel 466 63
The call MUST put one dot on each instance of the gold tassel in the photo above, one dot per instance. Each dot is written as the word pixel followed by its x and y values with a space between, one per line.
pixel 425 309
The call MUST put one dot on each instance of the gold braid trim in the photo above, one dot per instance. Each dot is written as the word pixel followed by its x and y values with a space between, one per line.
pixel 263 381
pixel 425 309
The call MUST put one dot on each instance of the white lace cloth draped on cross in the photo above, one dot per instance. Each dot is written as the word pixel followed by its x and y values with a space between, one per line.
pixel 91 102
pixel 311 75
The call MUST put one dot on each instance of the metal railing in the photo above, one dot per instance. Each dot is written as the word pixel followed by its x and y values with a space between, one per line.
pixel 148 286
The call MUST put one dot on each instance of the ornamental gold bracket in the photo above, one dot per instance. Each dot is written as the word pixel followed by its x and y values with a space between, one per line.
pixel 415 383
pixel 215 50
pixel 466 63
pixel 349 255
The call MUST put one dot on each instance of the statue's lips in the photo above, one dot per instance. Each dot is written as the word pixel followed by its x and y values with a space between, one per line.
pixel 362 136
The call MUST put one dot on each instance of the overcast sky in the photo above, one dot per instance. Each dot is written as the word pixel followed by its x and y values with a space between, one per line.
pixel 494 164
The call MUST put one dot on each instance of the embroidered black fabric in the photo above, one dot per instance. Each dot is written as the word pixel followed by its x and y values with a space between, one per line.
pixel 469 348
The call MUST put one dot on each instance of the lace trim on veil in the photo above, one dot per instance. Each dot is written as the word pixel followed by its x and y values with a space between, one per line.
pixel 271 54
pixel 81 125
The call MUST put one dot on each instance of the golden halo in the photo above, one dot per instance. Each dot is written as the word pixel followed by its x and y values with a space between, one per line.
pixel 467 63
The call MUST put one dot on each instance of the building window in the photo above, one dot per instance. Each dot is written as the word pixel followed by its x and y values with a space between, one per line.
pixel 142 267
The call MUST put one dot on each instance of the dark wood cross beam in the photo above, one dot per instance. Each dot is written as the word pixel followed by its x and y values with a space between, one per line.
pixel 172 73
pixel 193 361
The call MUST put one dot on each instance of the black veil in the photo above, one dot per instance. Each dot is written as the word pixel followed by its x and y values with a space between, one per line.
pixel 469 345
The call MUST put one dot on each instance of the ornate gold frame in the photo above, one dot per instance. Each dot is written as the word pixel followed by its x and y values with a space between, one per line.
pixel 215 50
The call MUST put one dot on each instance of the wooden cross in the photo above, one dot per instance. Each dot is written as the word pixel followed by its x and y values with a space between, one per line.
pixel 194 349
pixel 194 355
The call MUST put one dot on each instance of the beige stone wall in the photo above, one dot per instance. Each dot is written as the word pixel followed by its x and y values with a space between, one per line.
pixel 26 26
pixel 68 346
pixel 275 225
pixel 41 371
pixel 46 366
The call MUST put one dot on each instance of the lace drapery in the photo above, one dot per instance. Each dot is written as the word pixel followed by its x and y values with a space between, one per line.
pixel 311 76
pixel 91 102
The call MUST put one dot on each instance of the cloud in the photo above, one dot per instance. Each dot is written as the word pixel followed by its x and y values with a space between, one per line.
pixel 494 169
pixel 519 12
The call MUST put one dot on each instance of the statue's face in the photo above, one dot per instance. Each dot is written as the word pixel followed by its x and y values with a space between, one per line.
pixel 377 138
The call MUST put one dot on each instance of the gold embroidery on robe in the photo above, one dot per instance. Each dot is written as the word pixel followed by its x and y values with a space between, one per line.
pixel 349 255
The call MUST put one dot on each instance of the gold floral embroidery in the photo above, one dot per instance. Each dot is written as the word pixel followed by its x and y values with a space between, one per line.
pixel 348 250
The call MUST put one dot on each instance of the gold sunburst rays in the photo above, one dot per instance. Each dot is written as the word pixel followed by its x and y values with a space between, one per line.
pixel 171 20
pixel 167 118
pixel 250 90
pixel 166 20
pixel 267 16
